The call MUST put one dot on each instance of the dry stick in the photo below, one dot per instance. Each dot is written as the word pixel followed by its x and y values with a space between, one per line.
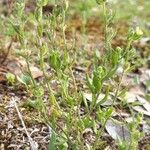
pixel 32 143
pixel 7 52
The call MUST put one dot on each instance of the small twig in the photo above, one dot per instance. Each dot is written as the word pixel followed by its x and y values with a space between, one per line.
pixel 7 52
pixel 32 143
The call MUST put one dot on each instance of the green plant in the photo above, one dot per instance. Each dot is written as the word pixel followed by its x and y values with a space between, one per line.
pixel 61 111
pixel 10 78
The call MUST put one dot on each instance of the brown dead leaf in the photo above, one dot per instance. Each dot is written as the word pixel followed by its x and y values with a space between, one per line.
pixel 17 67
pixel 36 72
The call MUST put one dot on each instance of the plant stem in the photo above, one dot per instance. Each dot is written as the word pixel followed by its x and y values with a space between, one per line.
pixel 105 23
pixel 74 81
pixel 32 143
pixel 30 73
pixel 123 72
pixel 118 87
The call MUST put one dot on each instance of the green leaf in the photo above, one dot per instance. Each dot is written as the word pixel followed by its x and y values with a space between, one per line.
pixel 100 1
pixel 62 142
pixel 94 126
pixel 105 97
pixel 10 78
pixel 55 60
pixel 53 101
pixel 16 28
pixel 96 81
pixel 42 3
pixel 40 29
pixel 52 142
pixel 66 59
pixel 24 79
pixel 109 112
pixel 10 30
pixel 87 122
pixel 148 83
pixel 122 145
pixel 39 14
pixel 85 102
pixel 110 73
pixel 122 92
pixel 98 75
pixel 44 49
pixel 115 57
pixel 89 84
pixel 31 104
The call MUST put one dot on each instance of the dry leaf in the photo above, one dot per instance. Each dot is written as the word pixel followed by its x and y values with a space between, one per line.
pixel 108 102
pixel 130 97
pixel 117 131
pixel 145 103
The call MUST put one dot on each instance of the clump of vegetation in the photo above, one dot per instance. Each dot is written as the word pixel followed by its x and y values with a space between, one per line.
pixel 42 41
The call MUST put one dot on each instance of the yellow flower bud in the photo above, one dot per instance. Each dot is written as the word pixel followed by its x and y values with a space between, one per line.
pixel 139 32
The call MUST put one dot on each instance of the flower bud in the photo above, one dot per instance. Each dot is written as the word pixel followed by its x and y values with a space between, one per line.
pixel 138 31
